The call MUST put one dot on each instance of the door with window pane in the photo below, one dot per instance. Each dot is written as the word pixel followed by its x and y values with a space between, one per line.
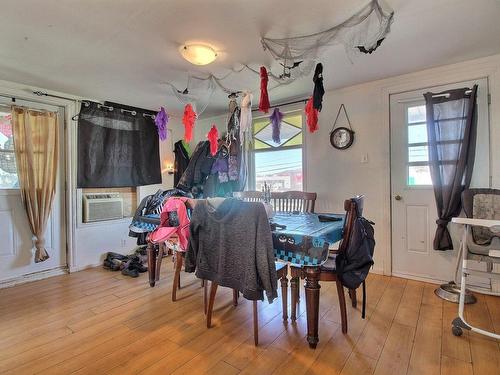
pixel 279 164
pixel 413 204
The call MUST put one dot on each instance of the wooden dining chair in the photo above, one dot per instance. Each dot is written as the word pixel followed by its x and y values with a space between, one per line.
pixel 282 272
pixel 293 201
pixel 155 259
pixel 328 272
pixel 287 201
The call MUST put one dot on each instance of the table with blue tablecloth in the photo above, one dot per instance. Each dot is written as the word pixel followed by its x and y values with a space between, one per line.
pixel 300 239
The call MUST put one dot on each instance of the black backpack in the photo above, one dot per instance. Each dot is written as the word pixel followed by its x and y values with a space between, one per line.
pixel 354 263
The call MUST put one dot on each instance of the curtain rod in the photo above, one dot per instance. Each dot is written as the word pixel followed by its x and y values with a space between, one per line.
pixel 284 104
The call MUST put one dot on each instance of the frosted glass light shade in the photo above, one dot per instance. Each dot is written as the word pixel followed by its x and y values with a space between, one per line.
pixel 198 54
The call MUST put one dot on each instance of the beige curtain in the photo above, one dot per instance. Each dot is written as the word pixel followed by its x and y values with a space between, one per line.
pixel 36 147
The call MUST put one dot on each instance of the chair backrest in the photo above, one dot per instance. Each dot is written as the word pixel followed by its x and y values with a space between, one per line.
pixel 248 196
pixel 287 201
pixel 482 204
pixel 354 209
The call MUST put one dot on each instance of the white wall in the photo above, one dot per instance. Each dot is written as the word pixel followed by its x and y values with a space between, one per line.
pixel 93 240
pixel 337 175
pixel 333 174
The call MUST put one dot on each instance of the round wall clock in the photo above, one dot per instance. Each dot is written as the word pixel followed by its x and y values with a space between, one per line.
pixel 342 138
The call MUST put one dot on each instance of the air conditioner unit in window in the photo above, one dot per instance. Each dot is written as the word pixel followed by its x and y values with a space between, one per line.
pixel 102 206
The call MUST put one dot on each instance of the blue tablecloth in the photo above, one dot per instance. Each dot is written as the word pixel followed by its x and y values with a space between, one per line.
pixel 305 240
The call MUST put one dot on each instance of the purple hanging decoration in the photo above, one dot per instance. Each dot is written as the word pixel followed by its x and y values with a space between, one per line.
pixel 161 121
pixel 276 118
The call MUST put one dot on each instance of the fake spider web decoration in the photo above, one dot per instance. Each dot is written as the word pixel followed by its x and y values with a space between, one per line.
pixel 362 32
pixel 198 92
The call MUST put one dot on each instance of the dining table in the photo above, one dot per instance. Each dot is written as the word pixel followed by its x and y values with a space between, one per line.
pixel 304 241
pixel 300 239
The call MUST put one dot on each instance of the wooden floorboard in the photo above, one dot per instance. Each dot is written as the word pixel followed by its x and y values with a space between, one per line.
pixel 100 322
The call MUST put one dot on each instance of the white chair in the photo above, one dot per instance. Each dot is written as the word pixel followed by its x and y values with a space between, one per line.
pixel 480 243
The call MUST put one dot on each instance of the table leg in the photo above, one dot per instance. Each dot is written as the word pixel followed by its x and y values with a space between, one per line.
pixel 151 263
pixel 294 286
pixel 312 304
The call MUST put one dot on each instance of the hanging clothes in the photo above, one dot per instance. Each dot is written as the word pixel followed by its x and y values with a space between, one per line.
pixel 232 245
pixel 245 115
pixel 181 160
pixel 197 171
pixel 319 90
pixel 264 104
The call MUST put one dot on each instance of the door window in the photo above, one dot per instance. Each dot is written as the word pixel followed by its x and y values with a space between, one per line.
pixel 418 172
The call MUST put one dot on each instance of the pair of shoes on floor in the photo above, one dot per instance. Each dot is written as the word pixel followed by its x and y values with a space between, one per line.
pixel 133 268
pixel 112 264
pixel 130 265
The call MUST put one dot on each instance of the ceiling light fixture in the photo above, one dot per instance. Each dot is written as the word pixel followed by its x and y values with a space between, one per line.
pixel 198 54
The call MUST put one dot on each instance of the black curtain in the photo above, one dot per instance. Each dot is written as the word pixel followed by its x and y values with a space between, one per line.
pixel 451 130
pixel 116 148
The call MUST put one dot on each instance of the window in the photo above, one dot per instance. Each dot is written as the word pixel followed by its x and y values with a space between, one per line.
pixel 278 164
pixel 8 170
pixel 418 156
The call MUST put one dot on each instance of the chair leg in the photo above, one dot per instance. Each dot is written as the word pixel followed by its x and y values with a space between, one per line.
pixel 205 295
pixel 158 262
pixel 298 290
pixel 352 295
pixel 177 275
pixel 236 294
pixel 294 286
pixel 255 324
pixel 151 263
pixel 213 291
pixel 284 296
pixel 343 309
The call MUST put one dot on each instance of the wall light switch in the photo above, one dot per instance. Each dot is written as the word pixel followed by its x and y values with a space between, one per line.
pixel 364 158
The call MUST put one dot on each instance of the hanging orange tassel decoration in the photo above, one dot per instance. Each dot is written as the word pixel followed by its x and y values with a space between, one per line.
pixel 311 116
pixel 188 120
pixel 213 137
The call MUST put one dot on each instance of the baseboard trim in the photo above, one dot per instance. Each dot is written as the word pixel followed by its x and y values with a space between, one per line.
pixel 57 271
pixel 85 267
pixel 419 278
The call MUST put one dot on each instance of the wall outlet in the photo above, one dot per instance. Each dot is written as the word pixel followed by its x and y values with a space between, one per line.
pixel 123 242
pixel 364 158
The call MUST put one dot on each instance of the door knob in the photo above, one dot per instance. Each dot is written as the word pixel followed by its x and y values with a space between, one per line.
pixel 398 197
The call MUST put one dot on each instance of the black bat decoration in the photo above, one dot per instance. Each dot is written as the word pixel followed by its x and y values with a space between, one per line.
pixel 295 64
pixel 364 50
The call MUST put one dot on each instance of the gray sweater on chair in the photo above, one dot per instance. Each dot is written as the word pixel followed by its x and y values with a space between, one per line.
pixel 232 245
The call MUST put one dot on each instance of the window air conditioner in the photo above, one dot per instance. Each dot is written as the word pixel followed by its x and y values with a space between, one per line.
pixel 102 206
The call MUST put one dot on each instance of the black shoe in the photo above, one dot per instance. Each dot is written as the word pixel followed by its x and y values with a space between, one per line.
pixel 130 271
pixel 139 267
pixel 111 255
pixel 112 265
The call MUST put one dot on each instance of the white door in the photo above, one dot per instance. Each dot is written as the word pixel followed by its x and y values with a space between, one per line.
pixel 413 205
pixel 16 255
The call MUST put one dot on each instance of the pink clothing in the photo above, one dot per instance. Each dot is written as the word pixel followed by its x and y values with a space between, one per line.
pixel 174 220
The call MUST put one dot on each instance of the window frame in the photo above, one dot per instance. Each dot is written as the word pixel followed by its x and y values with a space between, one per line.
pixel 416 103
pixel 8 190
pixel 251 180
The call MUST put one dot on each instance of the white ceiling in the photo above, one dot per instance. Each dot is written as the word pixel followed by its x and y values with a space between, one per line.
pixel 124 51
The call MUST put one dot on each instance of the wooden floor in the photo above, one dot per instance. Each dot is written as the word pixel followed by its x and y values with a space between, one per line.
pixel 100 322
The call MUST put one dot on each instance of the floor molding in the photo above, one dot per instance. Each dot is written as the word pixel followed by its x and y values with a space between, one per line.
pixel 57 271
